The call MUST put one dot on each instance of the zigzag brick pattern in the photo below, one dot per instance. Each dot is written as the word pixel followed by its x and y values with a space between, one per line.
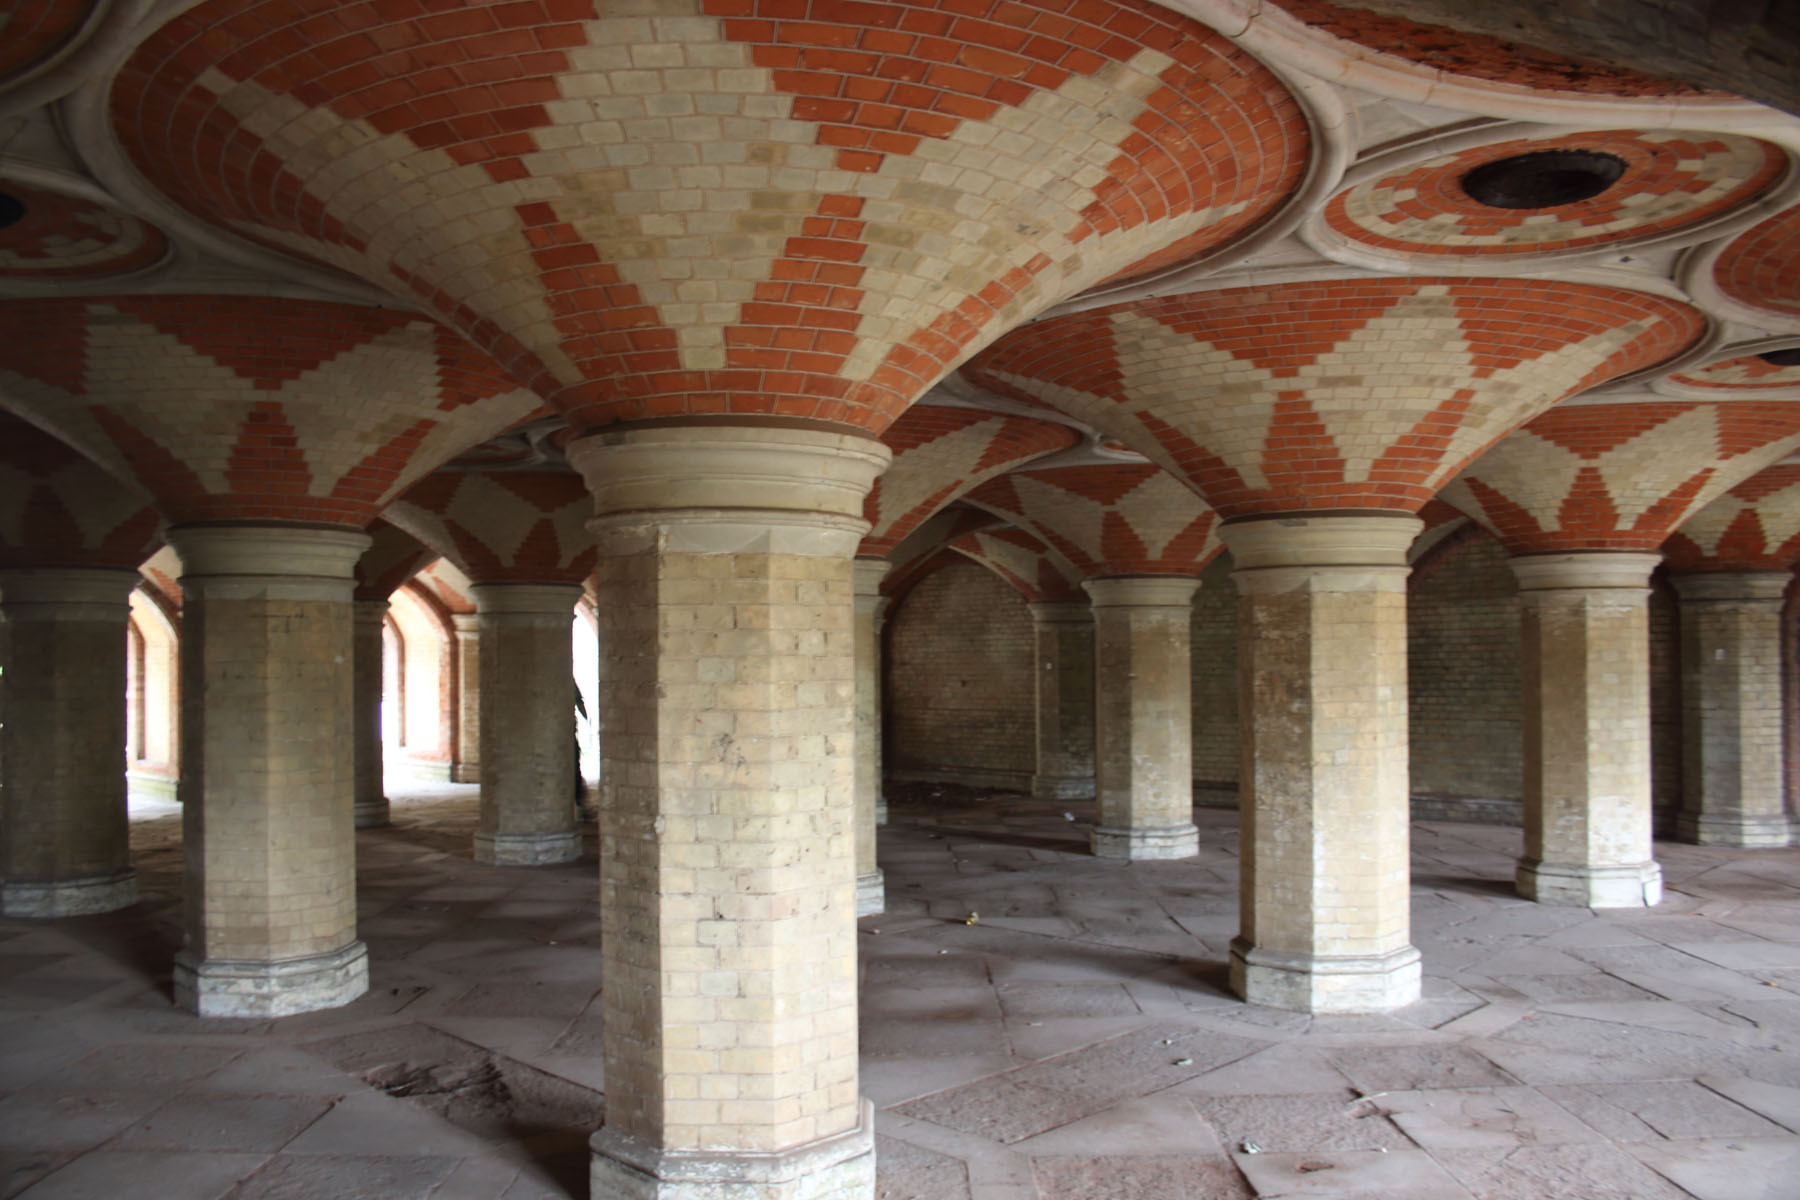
pixel 1129 519
pixel 1619 476
pixel 1671 180
pixel 1340 394
pixel 940 453
pixel 503 526
pixel 1761 267
pixel 1033 570
pixel 60 509
pixel 1746 371
pixel 253 409
pixel 800 207
pixel 63 237
pixel 1753 527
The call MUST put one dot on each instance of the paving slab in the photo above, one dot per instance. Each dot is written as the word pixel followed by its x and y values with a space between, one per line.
pixel 1575 1171
pixel 1673 1108
pixel 110 1174
pixel 1159 1178
pixel 1352 1175
pixel 1728 1169
pixel 1498 1118
pixel 1299 1124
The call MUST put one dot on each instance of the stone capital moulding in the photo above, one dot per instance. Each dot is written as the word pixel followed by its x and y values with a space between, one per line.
pixel 526 599
pixel 1360 552
pixel 1732 587
pixel 269 561
pixel 1142 591
pixel 1583 570
pixel 1068 613
pixel 67 593
pixel 867 574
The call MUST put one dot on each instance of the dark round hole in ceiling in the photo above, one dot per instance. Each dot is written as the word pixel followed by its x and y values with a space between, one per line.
pixel 12 209
pixel 1543 178
pixel 1787 356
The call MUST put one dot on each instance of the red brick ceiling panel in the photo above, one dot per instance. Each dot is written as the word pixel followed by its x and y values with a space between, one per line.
pixel 1478 56
pixel 446 585
pixel 1762 267
pixel 1753 527
pixel 812 208
pixel 60 509
pixel 393 557
pixel 503 526
pixel 62 237
pixel 1619 476
pixel 1340 394
pixel 1124 519
pixel 940 453
pixel 1671 180
pixel 1747 371
pixel 1034 571
pixel 36 30
pixel 245 408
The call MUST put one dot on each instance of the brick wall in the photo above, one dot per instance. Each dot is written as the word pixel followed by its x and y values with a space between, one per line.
pixel 1665 704
pixel 1213 637
pixel 959 704
pixel 1463 653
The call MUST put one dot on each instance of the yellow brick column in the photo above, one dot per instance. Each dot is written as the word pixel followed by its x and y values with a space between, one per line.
pixel 371 807
pixel 871 893
pixel 1731 752
pixel 64 835
pixel 1585 674
pixel 728 864
pixel 1143 717
pixel 527 813
pixel 465 755
pixel 1323 801
pixel 1063 637
pixel 267 774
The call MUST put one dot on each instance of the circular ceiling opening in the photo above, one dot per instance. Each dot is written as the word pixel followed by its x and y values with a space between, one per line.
pixel 12 209
pixel 1787 356
pixel 1543 178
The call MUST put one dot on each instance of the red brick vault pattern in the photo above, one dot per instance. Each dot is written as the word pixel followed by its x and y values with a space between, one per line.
pixel 940 453
pixel 1753 527
pixel 59 509
pixel 1126 519
pixel 1619 476
pixel 242 408
pixel 1762 267
pixel 1339 394
pixel 1671 180
pixel 1744 372
pixel 1032 568
pixel 34 32
pixel 805 207
pixel 503 526
pixel 393 557
pixel 62 237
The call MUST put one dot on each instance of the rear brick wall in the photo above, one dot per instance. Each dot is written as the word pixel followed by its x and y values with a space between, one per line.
pixel 1213 637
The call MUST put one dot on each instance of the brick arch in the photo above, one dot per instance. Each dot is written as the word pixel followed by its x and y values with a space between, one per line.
pixel 1761 267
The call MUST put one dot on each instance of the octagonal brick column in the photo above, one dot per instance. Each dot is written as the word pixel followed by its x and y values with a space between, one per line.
pixel 1586 683
pixel 527 719
pixel 1731 751
pixel 1063 638
pixel 64 834
pixel 371 808
pixel 267 787
pixel 1324 905
pixel 1143 717
pixel 871 892
pixel 728 862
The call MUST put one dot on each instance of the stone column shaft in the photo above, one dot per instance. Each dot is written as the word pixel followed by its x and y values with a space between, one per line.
pixel 1586 682
pixel 871 894
pixel 371 791
pixel 1731 709
pixel 1325 904
pixel 465 749
pixel 728 864
pixel 64 832
pixel 268 782
pixel 1143 717
pixel 1063 637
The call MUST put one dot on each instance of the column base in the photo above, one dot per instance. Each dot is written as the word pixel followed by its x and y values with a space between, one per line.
pixel 1062 787
pixel 223 987
pixel 371 814
pixel 79 897
pixel 1748 833
pixel 835 1168
pixel 871 894
pixel 1635 885
pixel 527 849
pixel 1174 841
pixel 1319 983
pixel 881 811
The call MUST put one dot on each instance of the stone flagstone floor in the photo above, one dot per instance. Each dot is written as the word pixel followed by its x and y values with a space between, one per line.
pixel 1074 1042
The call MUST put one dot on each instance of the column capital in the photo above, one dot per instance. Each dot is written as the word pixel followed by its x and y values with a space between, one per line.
pixel 1583 570
pixel 466 625
pixel 1735 587
pixel 525 599
pixel 1321 551
pixel 1141 591
pixel 866 577
pixel 106 588
pixel 728 489
pixel 1070 612
pixel 292 562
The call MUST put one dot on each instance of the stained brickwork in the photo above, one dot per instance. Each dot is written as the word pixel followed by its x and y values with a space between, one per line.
pixel 727 206
pixel 1761 268
pixel 64 237
pixel 503 526
pixel 1352 394
pixel 1115 519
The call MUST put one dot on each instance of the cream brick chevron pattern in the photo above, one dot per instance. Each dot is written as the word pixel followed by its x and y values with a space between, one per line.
pixel 96 501
pixel 923 471
pixel 1369 390
pixel 1069 515
pixel 1009 558
pixel 679 161
pixel 497 517
pixel 1157 510
pixel 1777 514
